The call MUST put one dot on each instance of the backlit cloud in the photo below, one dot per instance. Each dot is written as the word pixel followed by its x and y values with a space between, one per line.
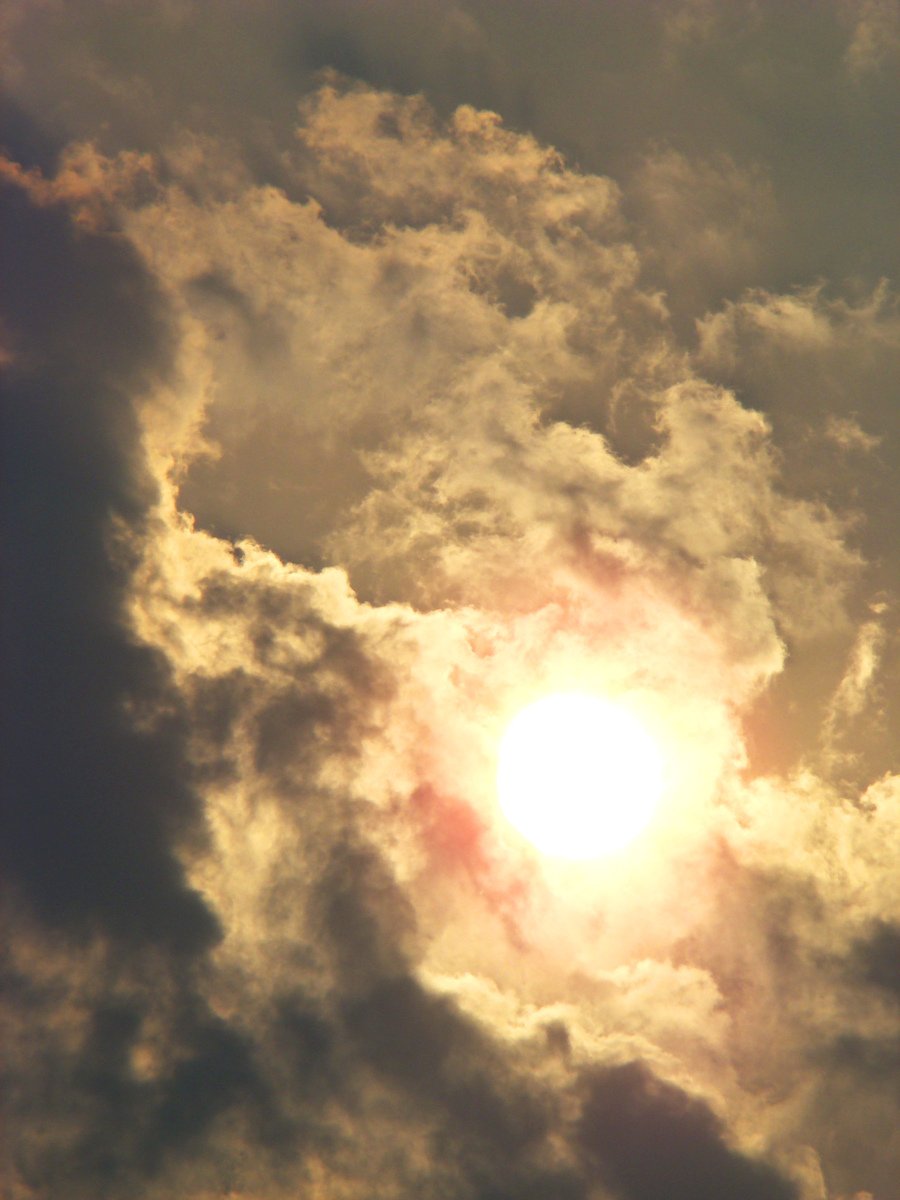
pixel 344 422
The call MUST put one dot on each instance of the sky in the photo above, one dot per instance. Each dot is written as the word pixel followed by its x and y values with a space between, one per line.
pixel 371 371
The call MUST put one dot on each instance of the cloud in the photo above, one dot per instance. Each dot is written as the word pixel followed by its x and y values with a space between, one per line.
pixel 875 39
pixel 627 1111
pixel 90 824
pixel 709 223
pixel 821 366
pixel 337 433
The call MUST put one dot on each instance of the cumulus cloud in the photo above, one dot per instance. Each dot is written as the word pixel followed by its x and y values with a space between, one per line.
pixel 336 435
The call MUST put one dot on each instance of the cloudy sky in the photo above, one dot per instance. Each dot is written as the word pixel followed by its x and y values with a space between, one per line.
pixel 372 369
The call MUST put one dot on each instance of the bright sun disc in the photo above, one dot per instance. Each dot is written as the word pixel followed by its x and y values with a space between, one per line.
pixel 578 776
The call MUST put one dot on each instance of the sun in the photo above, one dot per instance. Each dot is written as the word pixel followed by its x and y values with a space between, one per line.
pixel 578 775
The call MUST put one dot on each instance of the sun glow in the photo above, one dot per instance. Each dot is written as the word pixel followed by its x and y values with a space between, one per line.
pixel 578 775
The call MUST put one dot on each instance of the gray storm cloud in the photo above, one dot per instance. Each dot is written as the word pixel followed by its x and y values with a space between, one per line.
pixel 348 433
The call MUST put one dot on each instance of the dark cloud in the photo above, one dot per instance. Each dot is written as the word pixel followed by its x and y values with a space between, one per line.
pixel 135 1126
pixel 24 140
pixel 878 957
pixel 368 920
pixel 490 1124
pixel 649 1139
pixel 217 1072
pixel 123 1130
pixel 97 785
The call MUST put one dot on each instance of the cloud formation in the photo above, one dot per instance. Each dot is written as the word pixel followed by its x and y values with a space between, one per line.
pixel 343 421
